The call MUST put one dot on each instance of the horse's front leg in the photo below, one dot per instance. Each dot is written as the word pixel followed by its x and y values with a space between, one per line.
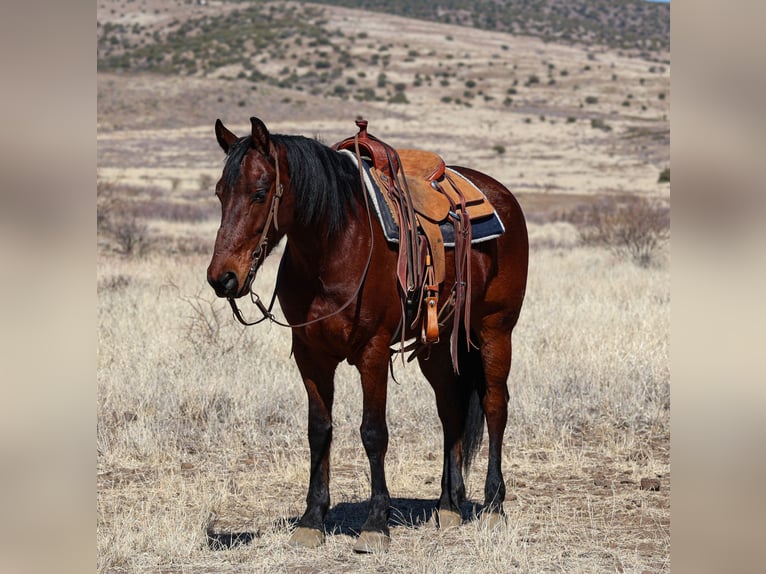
pixel 318 372
pixel 373 367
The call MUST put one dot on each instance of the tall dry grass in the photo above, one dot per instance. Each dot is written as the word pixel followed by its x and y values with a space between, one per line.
pixel 201 430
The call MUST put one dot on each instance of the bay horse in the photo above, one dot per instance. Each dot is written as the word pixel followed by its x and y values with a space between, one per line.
pixel 338 291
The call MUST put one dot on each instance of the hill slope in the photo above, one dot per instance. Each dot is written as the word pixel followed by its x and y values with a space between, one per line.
pixel 624 24
pixel 539 116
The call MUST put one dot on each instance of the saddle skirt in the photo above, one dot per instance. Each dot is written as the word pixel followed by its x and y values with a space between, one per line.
pixel 431 204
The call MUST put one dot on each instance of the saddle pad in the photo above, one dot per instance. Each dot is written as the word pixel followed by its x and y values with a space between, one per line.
pixel 483 229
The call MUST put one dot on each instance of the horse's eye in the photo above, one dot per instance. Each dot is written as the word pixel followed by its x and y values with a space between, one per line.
pixel 258 197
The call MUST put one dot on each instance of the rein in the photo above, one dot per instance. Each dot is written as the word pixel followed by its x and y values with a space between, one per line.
pixel 260 250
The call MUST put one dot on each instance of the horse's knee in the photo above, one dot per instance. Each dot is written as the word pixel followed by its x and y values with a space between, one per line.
pixel 320 434
pixel 374 437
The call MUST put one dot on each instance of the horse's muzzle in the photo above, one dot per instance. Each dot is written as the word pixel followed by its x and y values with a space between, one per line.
pixel 226 285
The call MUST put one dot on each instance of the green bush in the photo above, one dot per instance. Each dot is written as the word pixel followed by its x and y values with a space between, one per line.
pixel 533 79
pixel 599 124
pixel 398 98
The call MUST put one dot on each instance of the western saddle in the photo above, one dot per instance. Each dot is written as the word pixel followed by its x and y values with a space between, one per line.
pixel 422 193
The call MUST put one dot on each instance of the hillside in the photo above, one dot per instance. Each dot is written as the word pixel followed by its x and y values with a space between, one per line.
pixel 635 25
pixel 539 116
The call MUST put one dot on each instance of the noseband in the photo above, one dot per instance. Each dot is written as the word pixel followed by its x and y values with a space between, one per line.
pixel 259 254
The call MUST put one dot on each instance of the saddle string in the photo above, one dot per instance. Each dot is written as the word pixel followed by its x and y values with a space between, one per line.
pixel 258 256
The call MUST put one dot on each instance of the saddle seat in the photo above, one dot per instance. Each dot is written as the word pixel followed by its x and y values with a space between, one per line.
pixel 424 193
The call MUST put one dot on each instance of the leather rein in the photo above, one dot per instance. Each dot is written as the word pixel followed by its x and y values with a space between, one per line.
pixel 259 255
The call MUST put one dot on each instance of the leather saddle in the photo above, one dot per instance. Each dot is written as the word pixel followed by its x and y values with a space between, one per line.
pixel 423 194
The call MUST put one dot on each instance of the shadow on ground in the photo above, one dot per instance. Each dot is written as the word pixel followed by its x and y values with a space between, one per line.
pixel 347 518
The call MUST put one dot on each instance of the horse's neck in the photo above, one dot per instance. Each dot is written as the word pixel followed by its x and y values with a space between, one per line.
pixel 315 253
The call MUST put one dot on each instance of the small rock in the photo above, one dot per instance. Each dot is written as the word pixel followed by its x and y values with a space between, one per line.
pixel 600 480
pixel 650 484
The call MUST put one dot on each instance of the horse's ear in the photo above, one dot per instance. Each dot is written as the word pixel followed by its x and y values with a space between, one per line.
pixel 260 135
pixel 225 138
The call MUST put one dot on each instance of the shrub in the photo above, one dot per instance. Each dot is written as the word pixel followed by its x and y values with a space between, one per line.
pixel 664 176
pixel 631 227
pixel 117 224
pixel 365 94
pixel 132 237
pixel 599 124
pixel 107 205
pixel 398 98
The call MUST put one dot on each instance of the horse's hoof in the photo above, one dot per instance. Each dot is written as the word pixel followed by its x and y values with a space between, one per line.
pixel 370 541
pixel 306 537
pixel 447 518
pixel 491 520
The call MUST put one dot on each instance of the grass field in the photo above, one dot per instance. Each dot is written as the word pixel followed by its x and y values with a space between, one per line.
pixel 201 432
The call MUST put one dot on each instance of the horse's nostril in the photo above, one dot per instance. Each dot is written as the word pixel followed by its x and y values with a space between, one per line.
pixel 225 285
pixel 229 282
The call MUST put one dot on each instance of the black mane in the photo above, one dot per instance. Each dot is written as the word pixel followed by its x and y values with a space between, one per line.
pixel 323 180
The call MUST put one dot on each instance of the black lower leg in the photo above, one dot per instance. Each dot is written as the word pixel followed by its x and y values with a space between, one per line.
pixel 453 487
pixel 375 440
pixel 494 487
pixel 318 496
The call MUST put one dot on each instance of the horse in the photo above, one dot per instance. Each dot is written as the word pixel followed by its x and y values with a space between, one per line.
pixel 338 292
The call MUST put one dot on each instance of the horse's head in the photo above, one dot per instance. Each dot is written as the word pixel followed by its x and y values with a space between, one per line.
pixel 250 191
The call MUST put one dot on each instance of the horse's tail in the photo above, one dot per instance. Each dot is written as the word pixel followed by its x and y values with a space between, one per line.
pixel 472 381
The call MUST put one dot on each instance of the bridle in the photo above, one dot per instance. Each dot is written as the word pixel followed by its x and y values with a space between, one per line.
pixel 259 254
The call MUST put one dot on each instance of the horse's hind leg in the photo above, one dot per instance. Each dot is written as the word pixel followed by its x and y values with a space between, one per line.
pixel 496 356
pixel 452 405
pixel 318 373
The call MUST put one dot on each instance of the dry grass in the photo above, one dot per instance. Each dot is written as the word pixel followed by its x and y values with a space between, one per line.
pixel 201 431
pixel 201 422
